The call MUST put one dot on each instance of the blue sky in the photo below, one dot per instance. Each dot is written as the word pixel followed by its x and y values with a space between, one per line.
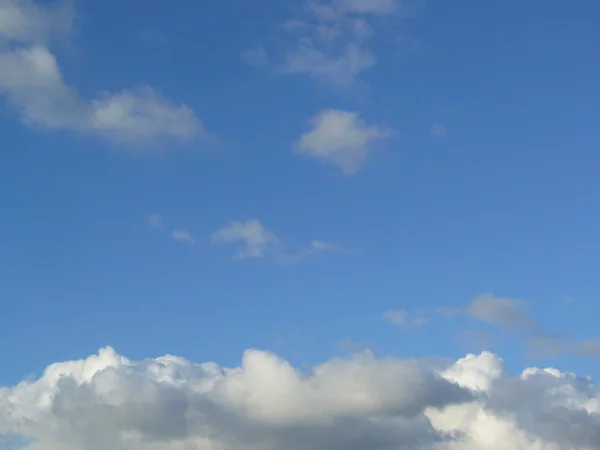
pixel 407 161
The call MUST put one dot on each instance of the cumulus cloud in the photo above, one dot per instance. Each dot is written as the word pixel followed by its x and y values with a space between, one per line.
pixel 184 236
pixel 255 241
pixel 359 402
pixel 328 41
pixel 32 82
pixel 341 138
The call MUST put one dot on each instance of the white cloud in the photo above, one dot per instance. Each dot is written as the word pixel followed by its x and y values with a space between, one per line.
pixel 360 402
pixel 32 82
pixel 156 221
pixel 255 240
pixel 183 236
pixel 341 138
pixel 329 41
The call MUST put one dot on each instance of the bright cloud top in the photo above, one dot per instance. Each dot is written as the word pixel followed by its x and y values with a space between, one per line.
pixel 361 402
pixel 32 81
pixel 341 138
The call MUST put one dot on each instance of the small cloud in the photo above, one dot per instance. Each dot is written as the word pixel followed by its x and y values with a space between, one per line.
pixel 567 299
pixel 341 138
pixel 395 317
pixel 156 221
pixel 255 57
pixel 313 248
pixel 255 240
pixel 438 130
pixel 183 236
pixel 501 311
pixel 401 318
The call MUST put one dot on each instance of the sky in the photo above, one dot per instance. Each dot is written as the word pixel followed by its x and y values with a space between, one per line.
pixel 376 192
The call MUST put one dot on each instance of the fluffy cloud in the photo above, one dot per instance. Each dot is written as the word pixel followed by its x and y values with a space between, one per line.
pixel 341 138
pixel 328 42
pixel 255 241
pixel 32 82
pixel 360 402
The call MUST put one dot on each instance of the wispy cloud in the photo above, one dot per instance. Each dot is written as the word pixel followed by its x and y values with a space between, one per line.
pixel 401 318
pixel 156 221
pixel 255 241
pixel 328 41
pixel 438 130
pixel 32 82
pixel 448 312
pixel 183 236
pixel 341 138
pixel 502 311
pixel 313 248
pixel 512 314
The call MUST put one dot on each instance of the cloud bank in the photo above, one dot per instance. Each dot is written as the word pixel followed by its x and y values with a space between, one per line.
pixel 359 402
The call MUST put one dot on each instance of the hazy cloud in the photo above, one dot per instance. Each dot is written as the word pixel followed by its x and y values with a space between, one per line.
pixel 502 311
pixel 438 130
pixel 183 236
pixel 328 41
pixel 156 221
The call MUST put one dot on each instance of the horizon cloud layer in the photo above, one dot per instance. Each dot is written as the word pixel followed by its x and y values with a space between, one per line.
pixel 359 402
